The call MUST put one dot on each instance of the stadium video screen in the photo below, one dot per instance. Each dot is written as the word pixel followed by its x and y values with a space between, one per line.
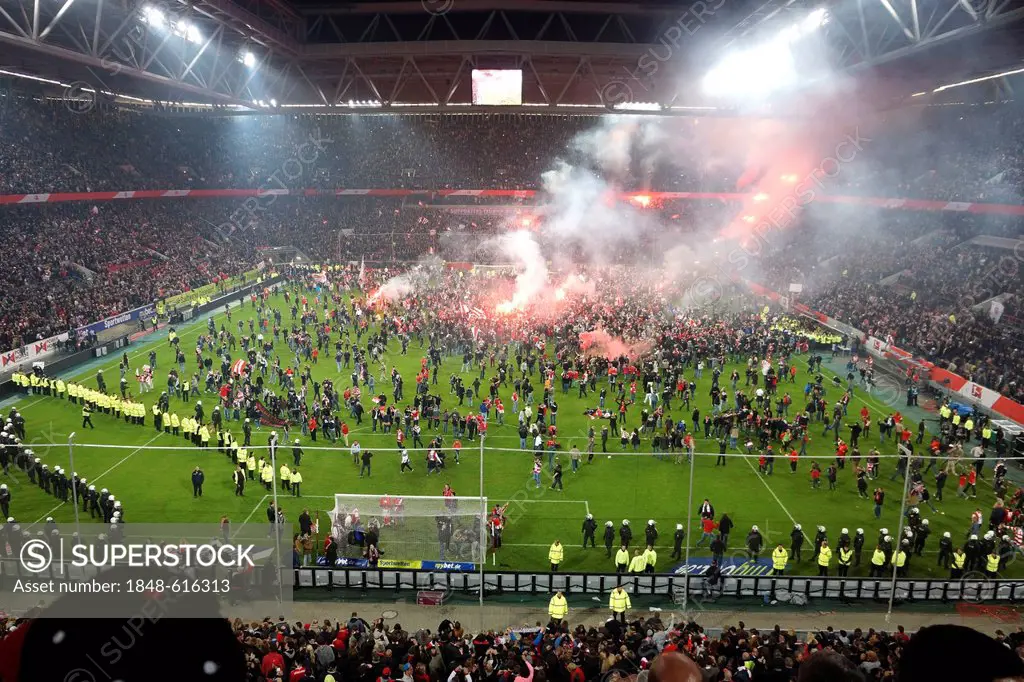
pixel 497 87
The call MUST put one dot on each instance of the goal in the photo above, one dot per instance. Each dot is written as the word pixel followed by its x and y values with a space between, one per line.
pixel 411 531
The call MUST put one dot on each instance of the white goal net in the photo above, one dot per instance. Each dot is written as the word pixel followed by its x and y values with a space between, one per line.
pixel 409 529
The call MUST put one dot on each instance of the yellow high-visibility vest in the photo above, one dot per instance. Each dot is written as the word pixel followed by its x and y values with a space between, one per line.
pixel 824 556
pixel 779 558
pixel 618 602
pixel 558 607
pixel 555 553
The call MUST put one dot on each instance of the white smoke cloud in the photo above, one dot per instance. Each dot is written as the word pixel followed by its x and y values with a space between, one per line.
pixel 521 248
pixel 417 279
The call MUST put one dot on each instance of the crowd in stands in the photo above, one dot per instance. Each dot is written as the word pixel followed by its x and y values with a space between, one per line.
pixel 943 152
pixel 891 273
pixel 639 649
pixel 914 280
pixel 72 264
pixel 46 148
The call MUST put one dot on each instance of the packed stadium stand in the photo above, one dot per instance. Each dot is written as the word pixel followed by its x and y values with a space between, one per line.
pixel 128 253
pixel 642 648
pixel 946 153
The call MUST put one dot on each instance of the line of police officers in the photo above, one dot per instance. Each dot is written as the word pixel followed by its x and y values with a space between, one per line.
pixel 192 428
pixel 983 554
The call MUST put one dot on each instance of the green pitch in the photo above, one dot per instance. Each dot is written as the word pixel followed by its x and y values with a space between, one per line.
pixel 154 485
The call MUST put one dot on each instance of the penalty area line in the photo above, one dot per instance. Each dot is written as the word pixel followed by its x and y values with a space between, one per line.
pixel 585 503
pixel 770 491
pixel 117 464
pixel 254 509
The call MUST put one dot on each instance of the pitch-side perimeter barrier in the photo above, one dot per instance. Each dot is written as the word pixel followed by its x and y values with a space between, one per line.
pixel 969 391
pixel 48 352
pixel 208 292
pixel 42 350
pixel 976 590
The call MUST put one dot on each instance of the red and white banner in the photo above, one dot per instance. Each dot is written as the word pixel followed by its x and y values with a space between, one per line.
pixel 880 202
pixel 32 352
pixel 970 392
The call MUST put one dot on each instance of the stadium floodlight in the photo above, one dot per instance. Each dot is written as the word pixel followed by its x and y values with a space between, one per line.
pixel 758 71
pixel 153 16
pixel 188 31
pixel 273 102
pixel 247 58
pixel 638 106
pixel 816 19
pixel 765 68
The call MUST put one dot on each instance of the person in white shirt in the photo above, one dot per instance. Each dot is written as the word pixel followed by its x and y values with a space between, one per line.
pixel 405 461
pixel 463 673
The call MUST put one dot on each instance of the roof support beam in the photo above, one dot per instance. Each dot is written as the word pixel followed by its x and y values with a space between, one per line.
pixel 93 61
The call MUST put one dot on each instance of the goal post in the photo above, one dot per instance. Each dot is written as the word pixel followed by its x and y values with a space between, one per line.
pixel 411 531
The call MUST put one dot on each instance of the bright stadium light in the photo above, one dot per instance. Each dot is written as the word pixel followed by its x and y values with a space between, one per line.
pixel 816 19
pixel 247 58
pixel 638 106
pixel 188 31
pixel 765 68
pixel 273 102
pixel 153 16
pixel 757 71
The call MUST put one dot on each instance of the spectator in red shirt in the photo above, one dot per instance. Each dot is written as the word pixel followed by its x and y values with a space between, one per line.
pixel 300 672
pixel 272 660
pixel 340 643
pixel 707 530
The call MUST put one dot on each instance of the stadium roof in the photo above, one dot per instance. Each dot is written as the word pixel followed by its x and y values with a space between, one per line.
pixel 412 55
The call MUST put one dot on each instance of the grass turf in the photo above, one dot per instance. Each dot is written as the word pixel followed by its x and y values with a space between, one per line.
pixel 155 486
